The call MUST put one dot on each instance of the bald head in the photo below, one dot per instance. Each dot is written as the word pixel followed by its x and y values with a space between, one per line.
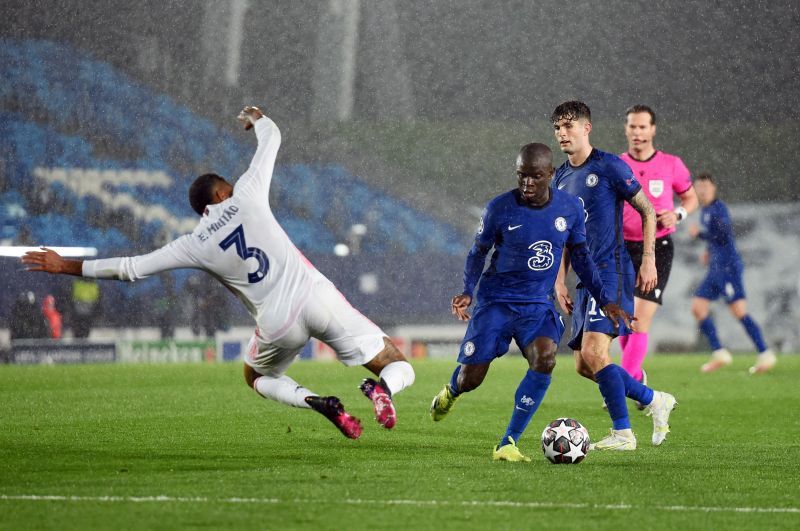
pixel 535 154
pixel 534 173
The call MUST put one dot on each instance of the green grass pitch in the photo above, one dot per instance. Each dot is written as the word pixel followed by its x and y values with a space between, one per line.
pixel 190 446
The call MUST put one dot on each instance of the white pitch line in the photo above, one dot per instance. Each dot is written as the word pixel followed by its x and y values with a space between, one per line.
pixel 416 503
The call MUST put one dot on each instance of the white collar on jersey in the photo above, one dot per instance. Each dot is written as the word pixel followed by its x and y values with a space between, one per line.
pixel 216 210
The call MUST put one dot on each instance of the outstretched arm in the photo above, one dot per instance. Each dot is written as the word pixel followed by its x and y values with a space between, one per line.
pixel 174 255
pixel 49 261
pixel 647 278
pixel 257 178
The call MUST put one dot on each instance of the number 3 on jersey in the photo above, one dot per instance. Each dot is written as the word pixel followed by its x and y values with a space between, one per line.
pixel 237 238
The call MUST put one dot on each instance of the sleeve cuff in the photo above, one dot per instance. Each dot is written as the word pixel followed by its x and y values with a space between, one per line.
pixel 88 269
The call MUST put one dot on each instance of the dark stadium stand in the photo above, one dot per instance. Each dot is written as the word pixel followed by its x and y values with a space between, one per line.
pixel 92 158
pixel 64 120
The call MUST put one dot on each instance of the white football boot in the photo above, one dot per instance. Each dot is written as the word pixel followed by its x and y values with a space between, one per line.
pixel 615 440
pixel 719 358
pixel 765 362
pixel 659 409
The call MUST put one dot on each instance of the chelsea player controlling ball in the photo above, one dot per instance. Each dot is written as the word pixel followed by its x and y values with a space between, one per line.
pixel 529 228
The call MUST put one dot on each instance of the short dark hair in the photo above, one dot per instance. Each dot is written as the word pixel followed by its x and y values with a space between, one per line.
pixel 201 191
pixel 705 176
pixel 571 110
pixel 633 109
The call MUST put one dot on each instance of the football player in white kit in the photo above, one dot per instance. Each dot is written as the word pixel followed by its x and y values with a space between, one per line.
pixel 240 243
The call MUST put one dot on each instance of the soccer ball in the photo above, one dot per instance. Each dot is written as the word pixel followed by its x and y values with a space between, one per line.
pixel 565 441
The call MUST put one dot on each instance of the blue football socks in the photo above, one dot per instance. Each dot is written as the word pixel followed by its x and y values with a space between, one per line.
pixel 710 331
pixel 529 395
pixel 754 332
pixel 634 389
pixel 454 381
pixel 612 387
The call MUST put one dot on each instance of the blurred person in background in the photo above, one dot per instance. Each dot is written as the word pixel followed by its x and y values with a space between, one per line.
pixel 725 278
pixel 209 306
pixel 240 243
pixel 84 307
pixel 603 183
pixel 164 305
pixel 52 316
pixel 27 320
pixel 530 229
pixel 662 176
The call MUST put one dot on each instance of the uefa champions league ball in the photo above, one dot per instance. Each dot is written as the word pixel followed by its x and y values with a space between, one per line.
pixel 565 441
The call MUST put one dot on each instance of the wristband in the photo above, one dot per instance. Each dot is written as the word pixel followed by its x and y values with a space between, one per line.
pixel 681 214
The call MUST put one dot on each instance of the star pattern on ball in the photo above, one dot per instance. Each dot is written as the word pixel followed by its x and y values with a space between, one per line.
pixel 549 452
pixel 562 430
pixel 575 452
pixel 565 441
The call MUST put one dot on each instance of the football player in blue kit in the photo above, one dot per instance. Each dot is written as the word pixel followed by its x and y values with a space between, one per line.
pixel 529 227
pixel 603 182
pixel 724 279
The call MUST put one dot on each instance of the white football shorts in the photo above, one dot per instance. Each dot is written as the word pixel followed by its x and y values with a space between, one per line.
pixel 326 316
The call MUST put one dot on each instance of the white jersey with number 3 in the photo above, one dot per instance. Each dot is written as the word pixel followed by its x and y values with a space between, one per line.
pixel 240 242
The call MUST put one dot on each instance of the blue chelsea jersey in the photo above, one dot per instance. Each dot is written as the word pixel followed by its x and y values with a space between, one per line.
pixel 602 183
pixel 528 244
pixel 717 230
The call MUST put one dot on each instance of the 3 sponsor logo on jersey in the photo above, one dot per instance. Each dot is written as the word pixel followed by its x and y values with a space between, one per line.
pixel 515 227
pixel 469 348
pixel 543 257
pixel 561 224
pixel 480 226
pixel 592 180
pixel 585 212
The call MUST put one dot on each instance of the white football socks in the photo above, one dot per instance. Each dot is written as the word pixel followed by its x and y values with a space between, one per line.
pixel 283 390
pixel 398 375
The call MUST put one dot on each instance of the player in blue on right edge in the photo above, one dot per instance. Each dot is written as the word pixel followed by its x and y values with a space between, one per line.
pixel 603 182
pixel 724 279
pixel 529 228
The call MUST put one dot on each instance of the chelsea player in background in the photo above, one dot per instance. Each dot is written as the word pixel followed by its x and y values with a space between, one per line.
pixel 724 278
pixel 529 228
pixel 603 182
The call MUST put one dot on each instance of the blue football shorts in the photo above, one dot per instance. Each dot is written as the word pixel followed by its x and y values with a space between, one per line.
pixel 726 283
pixel 588 317
pixel 494 324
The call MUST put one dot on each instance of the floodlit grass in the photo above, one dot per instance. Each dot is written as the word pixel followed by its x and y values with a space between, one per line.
pixel 100 438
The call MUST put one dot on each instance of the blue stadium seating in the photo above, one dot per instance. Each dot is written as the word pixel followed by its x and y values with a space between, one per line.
pixel 60 108
pixel 80 93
